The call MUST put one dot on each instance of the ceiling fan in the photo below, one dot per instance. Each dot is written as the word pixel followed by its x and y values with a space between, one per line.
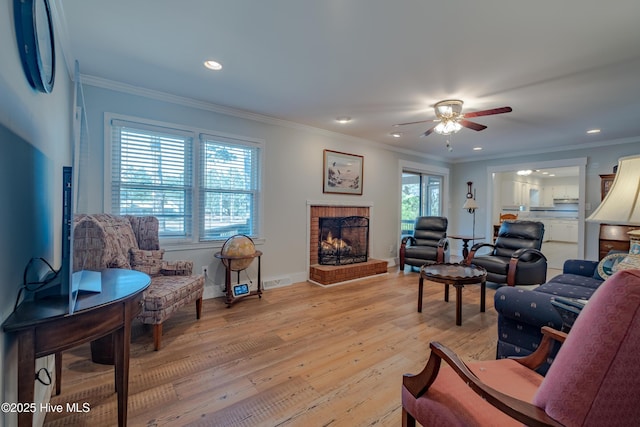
pixel 450 118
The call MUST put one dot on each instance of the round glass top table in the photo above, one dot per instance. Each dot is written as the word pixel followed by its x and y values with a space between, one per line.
pixel 457 275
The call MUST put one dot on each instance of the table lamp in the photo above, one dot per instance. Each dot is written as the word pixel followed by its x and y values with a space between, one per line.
pixel 470 206
pixel 621 206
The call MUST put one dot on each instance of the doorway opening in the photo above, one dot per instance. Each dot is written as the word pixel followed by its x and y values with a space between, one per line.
pixel 421 196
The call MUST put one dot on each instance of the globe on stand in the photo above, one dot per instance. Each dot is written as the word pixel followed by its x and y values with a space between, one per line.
pixel 238 246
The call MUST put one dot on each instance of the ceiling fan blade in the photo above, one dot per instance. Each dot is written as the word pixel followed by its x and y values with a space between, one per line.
pixel 428 131
pixel 472 125
pixel 501 110
pixel 412 123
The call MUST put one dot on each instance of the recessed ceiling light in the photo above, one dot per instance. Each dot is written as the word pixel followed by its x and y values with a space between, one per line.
pixel 477 148
pixel 213 65
pixel 593 131
pixel 343 119
pixel 396 134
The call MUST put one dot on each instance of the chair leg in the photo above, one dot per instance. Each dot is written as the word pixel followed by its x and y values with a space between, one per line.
pixel 157 336
pixel 198 308
pixel 407 419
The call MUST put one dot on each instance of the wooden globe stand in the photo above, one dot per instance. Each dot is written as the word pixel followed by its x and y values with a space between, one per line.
pixel 227 261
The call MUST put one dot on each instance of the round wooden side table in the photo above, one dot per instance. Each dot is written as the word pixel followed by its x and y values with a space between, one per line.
pixel 457 275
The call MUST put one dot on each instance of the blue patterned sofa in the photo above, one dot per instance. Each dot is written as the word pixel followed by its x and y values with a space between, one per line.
pixel 522 313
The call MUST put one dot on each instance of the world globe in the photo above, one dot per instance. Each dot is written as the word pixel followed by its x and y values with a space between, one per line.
pixel 238 246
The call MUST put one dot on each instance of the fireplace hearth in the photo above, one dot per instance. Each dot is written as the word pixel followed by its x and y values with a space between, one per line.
pixel 343 240
pixel 330 275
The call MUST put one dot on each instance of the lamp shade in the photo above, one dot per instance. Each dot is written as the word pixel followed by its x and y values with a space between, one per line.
pixel 622 204
pixel 470 204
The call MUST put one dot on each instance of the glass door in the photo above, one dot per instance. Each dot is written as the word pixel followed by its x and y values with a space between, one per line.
pixel 421 196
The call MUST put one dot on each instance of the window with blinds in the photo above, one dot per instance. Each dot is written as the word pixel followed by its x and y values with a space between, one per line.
pixel 200 189
pixel 151 174
pixel 229 187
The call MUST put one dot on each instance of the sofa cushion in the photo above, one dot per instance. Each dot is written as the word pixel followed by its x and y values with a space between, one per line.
pixel 168 291
pixel 570 286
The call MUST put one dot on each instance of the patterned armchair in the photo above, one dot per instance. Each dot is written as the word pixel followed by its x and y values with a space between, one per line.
pixel 109 241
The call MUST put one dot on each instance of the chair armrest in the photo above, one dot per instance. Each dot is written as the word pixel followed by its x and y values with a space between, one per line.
pixel 580 267
pixel 515 259
pixel 474 249
pixel 176 268
pixel 522 411
pixel 538 357
pixel 443 249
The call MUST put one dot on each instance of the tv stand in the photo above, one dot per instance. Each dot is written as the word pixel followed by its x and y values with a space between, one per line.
pixel 44 326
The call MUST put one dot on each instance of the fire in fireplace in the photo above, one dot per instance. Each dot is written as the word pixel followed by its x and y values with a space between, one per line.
pixel 343 240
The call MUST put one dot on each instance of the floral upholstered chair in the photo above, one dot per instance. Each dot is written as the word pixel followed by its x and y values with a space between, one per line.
pixel 594 379
pixel 109 241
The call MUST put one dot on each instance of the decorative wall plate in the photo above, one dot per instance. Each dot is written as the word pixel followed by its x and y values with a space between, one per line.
pixel 606 264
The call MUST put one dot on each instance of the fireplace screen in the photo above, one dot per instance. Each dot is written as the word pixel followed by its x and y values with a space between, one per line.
pixel 343 240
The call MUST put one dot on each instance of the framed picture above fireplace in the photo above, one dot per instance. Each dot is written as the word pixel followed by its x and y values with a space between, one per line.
pixel 342 173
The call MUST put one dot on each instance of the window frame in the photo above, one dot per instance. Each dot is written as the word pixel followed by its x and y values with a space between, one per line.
pixel 192 241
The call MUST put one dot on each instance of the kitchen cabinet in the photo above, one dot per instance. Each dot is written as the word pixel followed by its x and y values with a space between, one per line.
pixel 560 230
pixel 566 231
pixel 547 229
pixel 515 193
pixel 547 196
pixel 565 192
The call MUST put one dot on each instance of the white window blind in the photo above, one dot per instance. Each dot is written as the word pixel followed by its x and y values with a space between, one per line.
pixel 151 174
pixel 229 187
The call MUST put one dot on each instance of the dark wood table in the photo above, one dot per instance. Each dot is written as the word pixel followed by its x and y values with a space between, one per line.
pixel 457 275
pixel 44 327
pixel 465 242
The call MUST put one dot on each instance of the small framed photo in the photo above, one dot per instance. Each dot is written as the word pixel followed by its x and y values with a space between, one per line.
pixel 342 173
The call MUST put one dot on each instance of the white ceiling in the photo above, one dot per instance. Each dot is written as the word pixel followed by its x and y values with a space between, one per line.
pixel 563 66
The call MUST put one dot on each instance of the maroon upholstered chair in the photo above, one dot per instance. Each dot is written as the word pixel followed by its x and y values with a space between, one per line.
pixel 594 379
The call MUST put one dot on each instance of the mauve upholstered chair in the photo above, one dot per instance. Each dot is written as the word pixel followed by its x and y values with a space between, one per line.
pixel 593 381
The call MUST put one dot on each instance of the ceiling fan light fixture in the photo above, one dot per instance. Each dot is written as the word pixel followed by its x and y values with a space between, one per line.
pixel 447 127
pixel 449 109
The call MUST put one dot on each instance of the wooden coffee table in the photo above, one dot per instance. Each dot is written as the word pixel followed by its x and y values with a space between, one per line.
pixel 457 275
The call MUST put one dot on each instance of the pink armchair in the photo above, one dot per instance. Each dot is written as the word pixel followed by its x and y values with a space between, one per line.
pixel 594 378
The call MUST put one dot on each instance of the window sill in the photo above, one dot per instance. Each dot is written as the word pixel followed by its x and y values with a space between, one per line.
pixel 170 245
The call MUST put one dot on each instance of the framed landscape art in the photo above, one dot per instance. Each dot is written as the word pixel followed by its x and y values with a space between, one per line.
pixel 342 173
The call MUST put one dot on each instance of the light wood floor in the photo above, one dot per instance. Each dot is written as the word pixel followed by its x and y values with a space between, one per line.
pixel 303 355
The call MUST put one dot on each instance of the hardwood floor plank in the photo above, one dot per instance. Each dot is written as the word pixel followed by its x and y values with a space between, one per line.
pixel 301 355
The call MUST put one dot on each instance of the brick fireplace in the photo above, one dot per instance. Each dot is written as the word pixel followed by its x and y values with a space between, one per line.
pixel 333 274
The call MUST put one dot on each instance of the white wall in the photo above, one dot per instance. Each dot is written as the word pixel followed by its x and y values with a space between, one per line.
pixel 600 160
pixel 35 135
pixel 292 176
